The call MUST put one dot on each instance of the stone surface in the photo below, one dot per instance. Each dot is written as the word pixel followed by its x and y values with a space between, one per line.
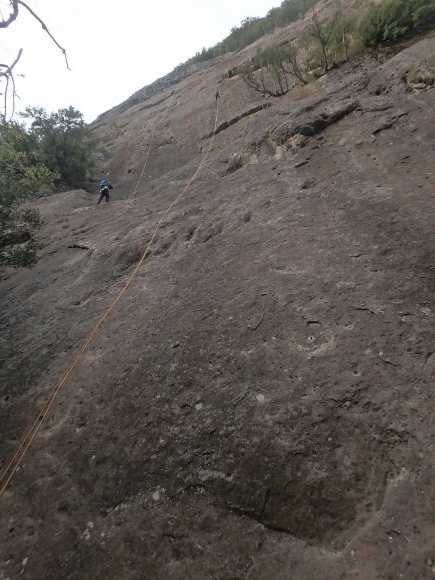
pixel 260 404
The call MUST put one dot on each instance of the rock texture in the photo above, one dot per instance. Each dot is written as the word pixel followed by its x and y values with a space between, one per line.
pixel 261 404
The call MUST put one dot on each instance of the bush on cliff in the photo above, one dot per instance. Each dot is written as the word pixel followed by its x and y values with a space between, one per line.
pixel 392 19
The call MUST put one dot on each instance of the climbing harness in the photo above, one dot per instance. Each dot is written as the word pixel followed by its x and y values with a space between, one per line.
pixel 14 464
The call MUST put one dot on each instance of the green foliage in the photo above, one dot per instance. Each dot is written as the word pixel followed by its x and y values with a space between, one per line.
pixel 343 37
pixel 289 11
pixel 54 148
pixel 251 29
pixel 391 19
pixel 322 45
pixel 424 16
pixel 321 35
pixel 266 72
pixel 270 70
pixel 21 168
pixel 63 141
pixel 22 172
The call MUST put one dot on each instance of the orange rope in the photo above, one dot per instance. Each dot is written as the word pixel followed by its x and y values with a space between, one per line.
pixel 26 442
pixel 153 132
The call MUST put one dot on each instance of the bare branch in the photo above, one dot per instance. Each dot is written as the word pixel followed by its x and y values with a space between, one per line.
pixel 6 71
pixel 10 67
pixel 5 109
pixel 14 95
pixel 44 27
pixel 321 33
pixel 296 70
pixel 13 15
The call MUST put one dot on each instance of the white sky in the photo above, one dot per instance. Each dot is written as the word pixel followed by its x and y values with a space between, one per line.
pixel 115 47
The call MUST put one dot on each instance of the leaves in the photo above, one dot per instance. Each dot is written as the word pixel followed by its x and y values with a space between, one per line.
pixel 63 141
pixel 274 70
pixel 391 19
pixel 22 172
pixel 251 29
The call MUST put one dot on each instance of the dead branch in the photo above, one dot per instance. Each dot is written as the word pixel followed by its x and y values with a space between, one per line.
pixel 10 67
pixel 12 17
pixel 5 106
pixel 44 27
pixel 6 71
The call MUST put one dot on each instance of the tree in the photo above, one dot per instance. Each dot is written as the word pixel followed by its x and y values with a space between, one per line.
pixel 343 36
pixel 269 71
pixel 294 62
pixel 63 141
pixel 54 148
pixel 265 73
pixel 22 168
pixel 321 34
pixel 22 172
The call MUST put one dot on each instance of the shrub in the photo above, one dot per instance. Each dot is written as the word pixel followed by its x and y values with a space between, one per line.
pixel 22 172
pixel 269 71
pixel 392 19
pixel 343 38
pixel 424 16
pixel 322 35
pixel 251 29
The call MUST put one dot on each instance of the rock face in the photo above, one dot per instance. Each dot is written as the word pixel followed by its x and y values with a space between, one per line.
pixel 260 405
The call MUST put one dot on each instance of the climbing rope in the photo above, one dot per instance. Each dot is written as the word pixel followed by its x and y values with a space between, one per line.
pixel 153 132
pixel 31 434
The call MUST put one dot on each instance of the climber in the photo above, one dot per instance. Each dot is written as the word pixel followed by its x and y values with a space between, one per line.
pixel 105 186
pixel 217 96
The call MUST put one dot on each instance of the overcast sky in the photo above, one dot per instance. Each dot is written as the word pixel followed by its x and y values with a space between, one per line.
pixel 115 47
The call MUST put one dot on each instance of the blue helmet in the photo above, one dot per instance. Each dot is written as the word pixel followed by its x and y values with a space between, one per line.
pixel 104 182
